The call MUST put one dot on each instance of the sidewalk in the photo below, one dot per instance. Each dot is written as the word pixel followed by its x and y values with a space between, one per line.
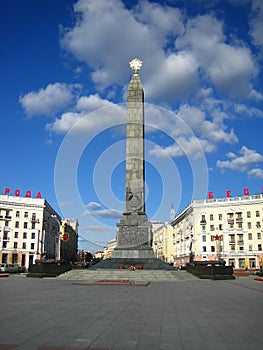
pixel 54 314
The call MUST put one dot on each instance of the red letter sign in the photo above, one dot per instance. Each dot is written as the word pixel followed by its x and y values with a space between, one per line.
pixel 28 194
pixel 39 195
pixel 228 193
pixel 246 192
pixel 7 190
pixel 210 195
pixel 17 193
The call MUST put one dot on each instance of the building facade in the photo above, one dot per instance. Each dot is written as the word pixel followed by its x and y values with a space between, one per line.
pixel 29 230
pixel 163 241
pixel 107 253
pixel 69 240
pixel 221 228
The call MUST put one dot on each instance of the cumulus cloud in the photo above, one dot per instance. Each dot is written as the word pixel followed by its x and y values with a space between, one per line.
pixel 50 100
pixel 256 173
pixel 240 163
pixel 96 209
pixel 94 205
pixel 104 213
pixel 256 23
pixel 229 67
pixel 92 113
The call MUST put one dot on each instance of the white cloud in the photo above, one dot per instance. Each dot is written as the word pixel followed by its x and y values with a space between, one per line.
pixel 94 205
pixel 240 163
pixel 104 213
pixel 256 23
pixel 92 115
pixel 229 67
pixel 184 147
pixel 48 101
pixel 256 173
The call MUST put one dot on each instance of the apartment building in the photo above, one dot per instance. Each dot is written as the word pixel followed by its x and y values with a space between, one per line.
pixel 29 229
pixel 107 253
pixel 163 241
pixel 221 228
pixel 69 240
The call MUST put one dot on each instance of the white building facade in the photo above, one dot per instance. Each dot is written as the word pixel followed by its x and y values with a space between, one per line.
pixel 221 228
pixel 163 241
pixel 29 230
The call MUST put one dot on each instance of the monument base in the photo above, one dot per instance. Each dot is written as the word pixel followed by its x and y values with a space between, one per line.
pixel 138 263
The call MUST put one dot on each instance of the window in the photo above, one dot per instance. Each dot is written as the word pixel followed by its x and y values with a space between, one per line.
pixel 220 227
pixel 33 235
pixel 211 217
pixel 26 214
pixel 17 224
pixel 204 238
pixel 239 225
pixel 32 246
pixel 203 227
pixel 203 217
pixel 259 247
pixel 212 228
pixel 24 245
pixel 33 225
pixel 212 238
pixel 6 223
pixel 16 234
pixel 213 248
pixel 232 247
pixel 25 224
pixel 250 236
pixel 220 216
pixel 258 224
pixel 250 247
pixel 17 214
pixel 248 214
pixel 241 248
pixel 24 235
pixel 15 245
pixel 204 248
pixel 249 225
pixel 259 235
pixel 4 244
pixel 257 214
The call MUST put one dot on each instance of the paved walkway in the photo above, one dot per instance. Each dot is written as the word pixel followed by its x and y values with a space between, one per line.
pixel 54 314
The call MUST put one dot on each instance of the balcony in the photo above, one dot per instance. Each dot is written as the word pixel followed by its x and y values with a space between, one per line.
pixel 8 217
pixel 34 220
pixel 203 222
pixel 230 221
pixel 239 220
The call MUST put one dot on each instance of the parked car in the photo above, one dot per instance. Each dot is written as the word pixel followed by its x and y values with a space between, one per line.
pixel 9 268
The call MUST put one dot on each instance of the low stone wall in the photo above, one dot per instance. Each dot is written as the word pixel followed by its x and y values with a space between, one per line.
pixel 211 271
pixel 48 269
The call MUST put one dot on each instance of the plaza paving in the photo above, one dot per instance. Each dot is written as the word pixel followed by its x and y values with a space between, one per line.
pixel 70 312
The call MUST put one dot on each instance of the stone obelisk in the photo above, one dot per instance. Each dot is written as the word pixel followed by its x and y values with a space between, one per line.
pixel 134 236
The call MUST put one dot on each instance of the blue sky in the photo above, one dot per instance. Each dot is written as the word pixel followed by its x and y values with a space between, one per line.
pixel 64 77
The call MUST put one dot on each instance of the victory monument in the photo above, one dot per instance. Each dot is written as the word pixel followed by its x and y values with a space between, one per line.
pixel 134 234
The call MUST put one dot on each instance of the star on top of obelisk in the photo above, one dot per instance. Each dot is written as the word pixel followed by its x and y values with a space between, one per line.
pixel 135 65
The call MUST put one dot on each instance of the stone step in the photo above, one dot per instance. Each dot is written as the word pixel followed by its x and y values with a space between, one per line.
pixel 137 275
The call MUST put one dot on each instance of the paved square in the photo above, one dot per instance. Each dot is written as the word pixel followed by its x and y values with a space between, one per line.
pixel 200 314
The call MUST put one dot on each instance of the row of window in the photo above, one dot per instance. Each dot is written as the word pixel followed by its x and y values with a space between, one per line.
pixel 231 215
pixel 16 235
pixel 26 225
pixel 24 245
pixel 26 214
pixel 232 248
pixel 231 226
pixel 232 237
